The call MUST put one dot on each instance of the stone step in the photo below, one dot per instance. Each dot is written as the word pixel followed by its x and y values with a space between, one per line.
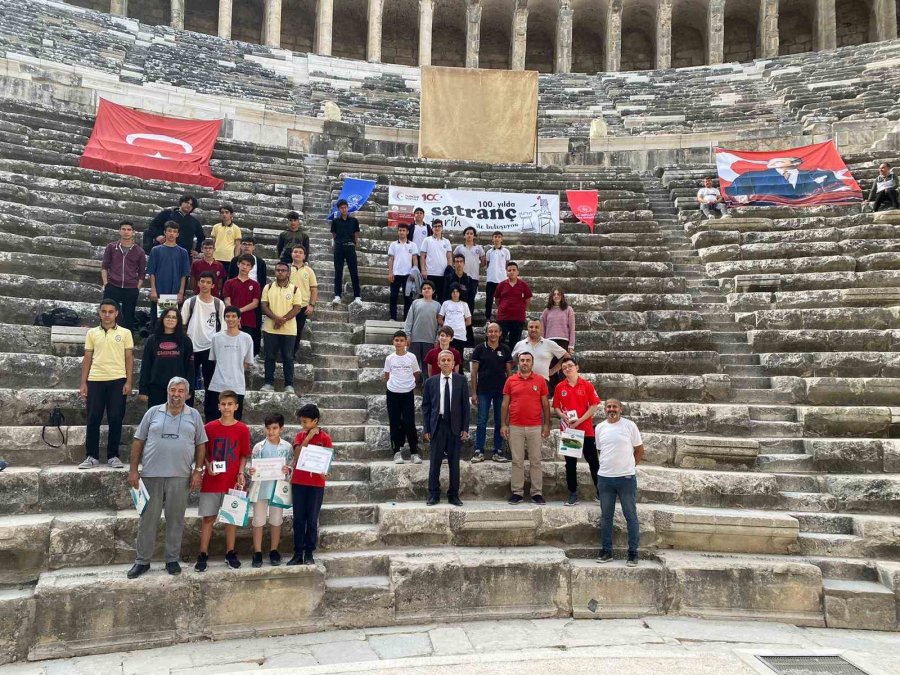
pixel 333 374
pixel 829 523
pixel 744 371
pixel 325 347
pixel 797 482
pixel 733 359
pixel 334 361
pixel 348 537
pixel 809 501
pixel 769 429
pixel 731 348
pixel 751 395
pixel 356 563
pixel 859 605
pixel 850 569
pixel 773 463
pixel 827 544
pixel 773 414
pixel 742 382
pixel 333 387
pixel 730 337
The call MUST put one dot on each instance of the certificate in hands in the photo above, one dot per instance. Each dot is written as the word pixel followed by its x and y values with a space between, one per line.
pixel 270 468
pixel 315 459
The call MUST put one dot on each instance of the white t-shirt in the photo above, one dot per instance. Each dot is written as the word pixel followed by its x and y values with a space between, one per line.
pixel 435 251
pixel 420 234
pixel 230 352
pixel 402 371
pixel 496 264
pixel 543 352
pixel 616 444
pixel 473 259
pixel 455 315
pixel 202 325
pixel 709 195
pixel 403 254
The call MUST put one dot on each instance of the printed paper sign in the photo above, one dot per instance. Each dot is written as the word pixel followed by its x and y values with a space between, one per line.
pixel 315 459
pixel 268 468
pixel 571 442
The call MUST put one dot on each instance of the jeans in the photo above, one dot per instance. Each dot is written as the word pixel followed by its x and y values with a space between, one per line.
pixel 489 289
pixel 443 444
pixel 307 502
pixel 511 332
pixel 104 397
pixel 398 287
pixel 170 494
pixel 625 488
pixel 345 253
pixel 707 209
pixel 484 405
pixel 275 345
pixel 590 456
pixel 401 410
pixel 127 299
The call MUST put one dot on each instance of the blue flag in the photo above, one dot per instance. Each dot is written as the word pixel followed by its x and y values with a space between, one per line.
pixel 356 191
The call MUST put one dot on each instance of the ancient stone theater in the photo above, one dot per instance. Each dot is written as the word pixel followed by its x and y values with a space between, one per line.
pixel 753 337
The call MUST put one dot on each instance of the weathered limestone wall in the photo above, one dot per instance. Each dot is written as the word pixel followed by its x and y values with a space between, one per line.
pixel 153 12
pixel 795 30
pixel 247 21
pixel 688 46
pixel 851 22
pixel 298 25
pixel 348 37
pixel 98 5
pixel 203 16
pixel 740 41
pixel 637 50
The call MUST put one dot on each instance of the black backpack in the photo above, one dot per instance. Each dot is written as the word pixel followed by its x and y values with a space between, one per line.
pixel 58 316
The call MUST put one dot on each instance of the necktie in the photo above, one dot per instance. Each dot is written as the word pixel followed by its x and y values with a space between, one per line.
pixel 787 175
pixel 445 406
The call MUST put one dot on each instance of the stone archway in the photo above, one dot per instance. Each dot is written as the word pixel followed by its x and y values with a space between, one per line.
pixel 298 25
pixel 399 32
pixel 496 34
pixel 247 21
pixel 349 30
pixel 588 35
pixel 796 31
pixel 202 16
pixel 448 33
pixel 689 31
pixel 741 38
pixel 153 13
pixel 541 36
pixel 852 21
pixel 638 36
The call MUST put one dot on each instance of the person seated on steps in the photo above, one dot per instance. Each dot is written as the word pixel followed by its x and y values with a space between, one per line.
pixel 884 189
pixel 710 199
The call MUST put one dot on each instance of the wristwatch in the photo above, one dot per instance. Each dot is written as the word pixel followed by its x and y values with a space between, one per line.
pixel 198 470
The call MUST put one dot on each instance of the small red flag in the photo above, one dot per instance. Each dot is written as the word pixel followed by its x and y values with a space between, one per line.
pixel 584 205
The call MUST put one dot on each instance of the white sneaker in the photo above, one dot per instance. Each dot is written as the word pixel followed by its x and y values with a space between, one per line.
pixel 357 301
pixel 89 463
pixel 398 458
pixel 337 300
pixel 115 463
pixel 416 459
pixel 289 389
pixel 267 387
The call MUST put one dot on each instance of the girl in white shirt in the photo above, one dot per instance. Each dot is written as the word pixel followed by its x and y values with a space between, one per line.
pixel 455 314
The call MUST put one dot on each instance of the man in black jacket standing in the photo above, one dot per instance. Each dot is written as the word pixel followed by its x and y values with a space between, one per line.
pixel 345 234
pixel 190 231
pixel 445 409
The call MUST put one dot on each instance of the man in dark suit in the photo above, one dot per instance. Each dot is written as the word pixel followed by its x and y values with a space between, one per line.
pixel 782 179
pixel 445 408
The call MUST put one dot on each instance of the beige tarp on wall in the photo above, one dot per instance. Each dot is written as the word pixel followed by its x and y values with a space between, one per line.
pixel 474 114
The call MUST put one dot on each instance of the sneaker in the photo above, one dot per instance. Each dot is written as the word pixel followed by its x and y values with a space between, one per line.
pixel 572 500
pixel 357 301
pixel 89 463
pixel 604 557
pixel 202 563
pixel 415 458
pixel 515 499
pixel 173 568
pixel 257 559
pixel 477 457
pixel 267 388
pixel 398 458
pixel 115 463
pixel 275 558
pixel 632 560
pixel 538 499
pixel 499 458
pixel 289 389
pixel 337 300
pixel 232 561
pixel 137 570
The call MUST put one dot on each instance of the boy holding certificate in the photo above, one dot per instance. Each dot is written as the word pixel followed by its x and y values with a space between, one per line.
pixel 307 488
pixel 272 447
pixel 227 452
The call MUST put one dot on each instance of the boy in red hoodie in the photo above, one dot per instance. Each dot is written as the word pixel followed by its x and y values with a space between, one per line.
pixel 226 458
pixel 307 489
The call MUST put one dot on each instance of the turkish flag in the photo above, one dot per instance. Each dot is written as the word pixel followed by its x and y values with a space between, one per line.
pixel 141 144
pixel 584 205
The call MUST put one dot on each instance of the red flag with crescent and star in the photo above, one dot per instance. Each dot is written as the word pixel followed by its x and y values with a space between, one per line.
pixel 141 144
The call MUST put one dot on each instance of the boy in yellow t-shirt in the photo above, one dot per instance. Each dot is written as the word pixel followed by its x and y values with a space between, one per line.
pixel 281 302
pixel 227 235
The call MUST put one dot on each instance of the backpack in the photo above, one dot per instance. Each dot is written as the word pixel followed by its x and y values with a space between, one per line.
pixel 58 316
pixel 192 303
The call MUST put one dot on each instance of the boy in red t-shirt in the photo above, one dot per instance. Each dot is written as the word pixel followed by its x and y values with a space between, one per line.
pixel 208 263
pixel 307 489
pixel 226 457
pixel 430 364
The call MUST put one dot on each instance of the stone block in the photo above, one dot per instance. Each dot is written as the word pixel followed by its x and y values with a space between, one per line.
pixel 24 541
pixel 845 421
pixel 866 494
pixel 696 452
pixel 17 608
pixel 474 584
pixel 857 455
pixel 614 591
pixel 495 525
pixel 411 524
pixel 722 587
pixel 82 539
pixel 860 605
pixel 726 531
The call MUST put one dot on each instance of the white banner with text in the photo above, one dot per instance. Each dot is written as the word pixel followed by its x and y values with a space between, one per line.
pixel 485 211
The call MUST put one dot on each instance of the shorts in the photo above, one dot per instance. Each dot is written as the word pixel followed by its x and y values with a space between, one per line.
pixel 210 503
pixel 276 514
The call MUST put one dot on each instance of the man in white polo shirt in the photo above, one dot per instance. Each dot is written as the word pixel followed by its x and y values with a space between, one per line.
pixel 544 350
pixel 621 449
